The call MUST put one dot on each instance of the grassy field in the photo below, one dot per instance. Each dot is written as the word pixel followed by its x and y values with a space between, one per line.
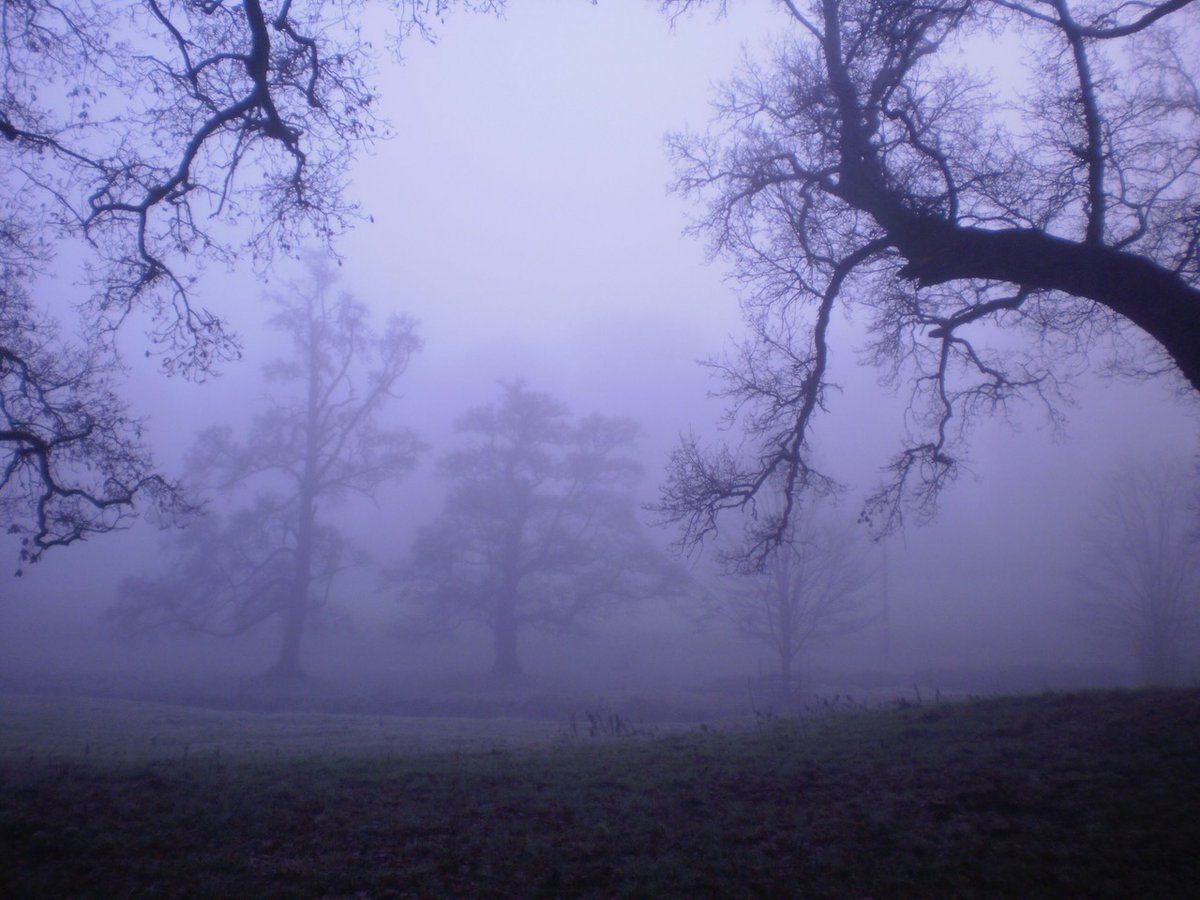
pixel 1092 794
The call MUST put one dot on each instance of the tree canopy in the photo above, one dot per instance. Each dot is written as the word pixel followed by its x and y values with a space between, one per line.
pixel 874 168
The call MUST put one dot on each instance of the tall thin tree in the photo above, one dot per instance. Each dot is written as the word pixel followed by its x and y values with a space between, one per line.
pixel 319 439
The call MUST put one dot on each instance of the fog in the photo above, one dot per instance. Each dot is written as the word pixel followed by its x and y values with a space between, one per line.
pixel 521 215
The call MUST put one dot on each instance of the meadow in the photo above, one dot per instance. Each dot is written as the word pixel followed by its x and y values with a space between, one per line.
pixel 1053 794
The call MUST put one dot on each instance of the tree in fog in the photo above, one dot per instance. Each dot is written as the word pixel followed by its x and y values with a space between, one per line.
pixel 153 138
pixel 811 588
pixel 539 528
pixel 180 134
pixel 72 459
pixel 318 439
pixel 1141 573
pixel 877 169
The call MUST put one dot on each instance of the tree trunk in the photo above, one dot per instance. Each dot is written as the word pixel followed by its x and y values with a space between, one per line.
pixel 1159 656
pixel 504 624
pixel 506 666
pixel 287 666
pixel 295 614
pixel 786 662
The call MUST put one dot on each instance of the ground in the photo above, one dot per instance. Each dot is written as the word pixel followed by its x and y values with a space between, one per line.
pixel 1054 794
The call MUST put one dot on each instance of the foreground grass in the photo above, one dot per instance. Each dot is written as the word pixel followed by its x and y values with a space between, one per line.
pixel 102 730
pixel 1059 795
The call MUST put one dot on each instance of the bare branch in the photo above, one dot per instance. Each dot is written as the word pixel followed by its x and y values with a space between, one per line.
pixel 872 165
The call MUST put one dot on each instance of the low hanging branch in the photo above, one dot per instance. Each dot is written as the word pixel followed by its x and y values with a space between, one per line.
pixel 868 169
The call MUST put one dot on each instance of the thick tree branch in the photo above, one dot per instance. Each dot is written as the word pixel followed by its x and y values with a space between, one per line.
pixel 869 139
pixel 1155 299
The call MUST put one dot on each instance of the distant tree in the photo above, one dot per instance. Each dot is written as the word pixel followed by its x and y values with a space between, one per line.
pixel 539 528
pixel 877 167
pixel 151 139
pixel 811 588
pixel 318 440
pixel 1141 572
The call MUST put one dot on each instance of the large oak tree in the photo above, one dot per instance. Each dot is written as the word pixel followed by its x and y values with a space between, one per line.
pixel 877 168
pixel 539 529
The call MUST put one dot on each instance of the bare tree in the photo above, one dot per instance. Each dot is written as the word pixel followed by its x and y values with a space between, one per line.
pixel 184 133
pixel 877 169
pixel 813 587
pixel 319 440
pixel 539 528
pixel 72 460
pixel 1141 573
pixel 155 137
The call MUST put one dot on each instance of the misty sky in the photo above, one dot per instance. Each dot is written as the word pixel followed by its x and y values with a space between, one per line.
pixel 521 213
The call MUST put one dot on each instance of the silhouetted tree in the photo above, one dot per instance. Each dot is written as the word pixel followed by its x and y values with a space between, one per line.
pixel 154 138
pixel 319 440
pixel 539 528
pixel 72 459
pixel 1141 573
pixel 875 167
pixel 173 122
